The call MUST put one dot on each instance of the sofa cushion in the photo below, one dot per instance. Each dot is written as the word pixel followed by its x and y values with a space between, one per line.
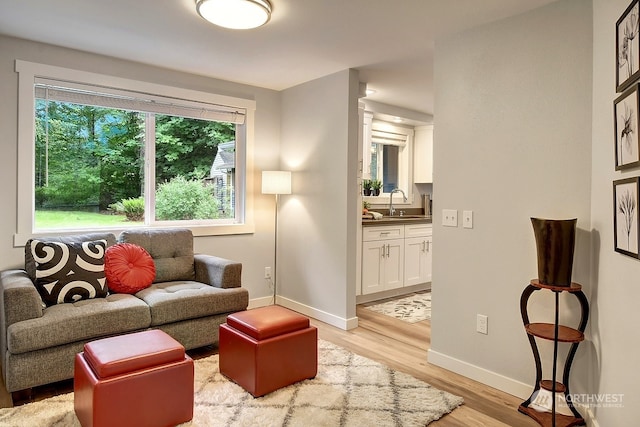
pixel 129 268
pixel 171 250
pixel 79 321
pixel 182 300
pixel 29 262
pixel 67 272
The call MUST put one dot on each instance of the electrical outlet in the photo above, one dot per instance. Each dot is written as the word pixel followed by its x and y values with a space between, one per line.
pixel 482 324
pixel 267 272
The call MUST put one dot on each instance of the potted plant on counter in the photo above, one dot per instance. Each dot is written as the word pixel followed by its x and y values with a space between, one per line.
pixel 366 187
pixel 376 185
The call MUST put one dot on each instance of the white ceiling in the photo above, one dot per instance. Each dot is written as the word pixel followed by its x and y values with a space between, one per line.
pixel 390 42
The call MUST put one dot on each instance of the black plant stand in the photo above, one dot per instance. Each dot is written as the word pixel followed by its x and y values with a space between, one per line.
pixel 556 333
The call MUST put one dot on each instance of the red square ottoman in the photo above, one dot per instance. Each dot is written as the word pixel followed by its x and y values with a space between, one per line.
pixel 268 348
pixel 139 379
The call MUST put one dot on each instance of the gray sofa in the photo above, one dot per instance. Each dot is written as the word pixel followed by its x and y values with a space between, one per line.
pixel 190 297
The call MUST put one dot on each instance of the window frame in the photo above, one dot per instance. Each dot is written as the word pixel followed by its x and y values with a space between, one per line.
pixel 401 137
pixel 28 72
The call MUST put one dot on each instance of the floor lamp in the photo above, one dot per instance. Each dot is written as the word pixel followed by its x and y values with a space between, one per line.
pixel 276 182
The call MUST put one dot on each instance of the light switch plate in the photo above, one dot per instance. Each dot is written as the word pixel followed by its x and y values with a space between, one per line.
pixel 449 217
pixel 467 219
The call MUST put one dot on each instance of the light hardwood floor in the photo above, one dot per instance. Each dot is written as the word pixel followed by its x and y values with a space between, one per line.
pixel 402 346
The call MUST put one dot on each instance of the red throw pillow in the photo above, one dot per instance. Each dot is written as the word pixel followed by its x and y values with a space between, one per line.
pixel 129 268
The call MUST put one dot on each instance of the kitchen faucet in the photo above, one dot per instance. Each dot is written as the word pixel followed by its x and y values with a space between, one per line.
pixel 391 208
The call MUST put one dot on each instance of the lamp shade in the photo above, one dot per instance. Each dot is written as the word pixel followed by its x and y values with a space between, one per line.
pixel 276 182
pixel 235 14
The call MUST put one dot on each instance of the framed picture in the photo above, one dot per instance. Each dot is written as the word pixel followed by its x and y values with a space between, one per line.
pixel 626 123
pixel 625 216
pixel 627 47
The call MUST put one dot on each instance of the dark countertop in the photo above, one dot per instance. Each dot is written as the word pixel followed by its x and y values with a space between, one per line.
pixel 407 219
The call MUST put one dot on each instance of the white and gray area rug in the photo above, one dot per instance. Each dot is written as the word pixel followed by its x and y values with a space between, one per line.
pixel 411 309
pixel 349 390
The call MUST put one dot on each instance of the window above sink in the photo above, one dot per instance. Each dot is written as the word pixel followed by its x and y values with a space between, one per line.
pixel 387 150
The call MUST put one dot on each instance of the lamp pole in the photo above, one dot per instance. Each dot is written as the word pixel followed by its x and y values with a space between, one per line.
pixel 275 251
pixel 276 182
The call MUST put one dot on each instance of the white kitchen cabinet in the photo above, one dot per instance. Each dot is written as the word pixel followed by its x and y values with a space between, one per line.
pixel 428 268
pixel 418 245
pixel 417 260
pixel 394 256
pixel 382 258
pixel 423 154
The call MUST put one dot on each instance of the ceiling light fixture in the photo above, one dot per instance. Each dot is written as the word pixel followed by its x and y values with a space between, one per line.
pixel 235 14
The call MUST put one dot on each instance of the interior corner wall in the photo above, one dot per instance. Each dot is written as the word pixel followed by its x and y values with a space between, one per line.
pixel 615 293
pixel 253 250
pixel 512 140
pixel 316 234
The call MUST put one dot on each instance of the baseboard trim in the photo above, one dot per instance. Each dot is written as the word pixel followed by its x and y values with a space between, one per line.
pixel 495 380
pixel 589 418
pixel 323 316
pixel 485 376
pixel 260 302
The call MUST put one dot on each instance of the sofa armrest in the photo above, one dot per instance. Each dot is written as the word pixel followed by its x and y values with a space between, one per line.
pixel 19 298
pixel 218 272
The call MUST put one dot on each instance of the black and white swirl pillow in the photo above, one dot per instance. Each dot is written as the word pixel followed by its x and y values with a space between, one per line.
pixel 69 272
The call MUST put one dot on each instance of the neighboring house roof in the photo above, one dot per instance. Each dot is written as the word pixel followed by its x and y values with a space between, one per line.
pixel 225 159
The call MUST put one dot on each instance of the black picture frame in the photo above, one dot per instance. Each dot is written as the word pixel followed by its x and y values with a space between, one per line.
pixel 628 47
pixel 626 125
pixel 625 216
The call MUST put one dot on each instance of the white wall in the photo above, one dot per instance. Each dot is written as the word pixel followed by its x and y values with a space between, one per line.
pixel 316 253
pixel 615 292
pixel 254 250
pixel 512 141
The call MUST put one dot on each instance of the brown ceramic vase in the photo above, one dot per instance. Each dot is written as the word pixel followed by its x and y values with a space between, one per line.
pixel 555 243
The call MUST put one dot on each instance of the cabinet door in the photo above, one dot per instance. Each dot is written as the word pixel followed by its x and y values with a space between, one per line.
pixel 414 260
pixel 423 154
pixel 394 264
pixel 417 260
pixel 428 261
pixel 373 260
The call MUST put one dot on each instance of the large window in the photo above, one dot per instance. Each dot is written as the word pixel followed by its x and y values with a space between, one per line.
pixel 112 156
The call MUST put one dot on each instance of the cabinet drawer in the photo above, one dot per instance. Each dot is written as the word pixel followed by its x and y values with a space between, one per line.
pixel 418 230
pixel 382 233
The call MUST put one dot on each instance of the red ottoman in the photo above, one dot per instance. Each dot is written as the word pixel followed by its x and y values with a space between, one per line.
pixel 139 379
pixel 267 348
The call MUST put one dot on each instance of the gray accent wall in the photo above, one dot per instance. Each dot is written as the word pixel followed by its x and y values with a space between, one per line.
pixel 318 221
pixel 512 140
